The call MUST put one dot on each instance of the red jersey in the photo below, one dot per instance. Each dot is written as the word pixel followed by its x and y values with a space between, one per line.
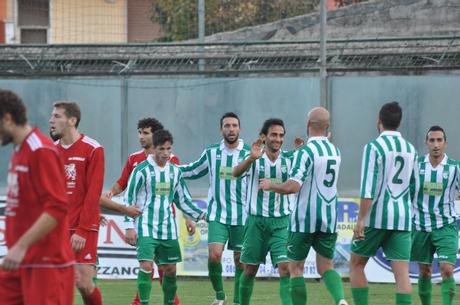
pixel 84 171
pixel 133 160
pixel 36 185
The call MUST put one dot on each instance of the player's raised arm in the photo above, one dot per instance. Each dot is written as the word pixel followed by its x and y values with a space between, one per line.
pixel 256 153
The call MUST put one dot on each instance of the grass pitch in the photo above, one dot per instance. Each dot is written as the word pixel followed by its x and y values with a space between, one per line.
pixel 199 292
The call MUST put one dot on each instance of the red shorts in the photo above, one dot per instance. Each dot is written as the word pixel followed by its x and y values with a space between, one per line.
pixel 88 255
pixel 37 286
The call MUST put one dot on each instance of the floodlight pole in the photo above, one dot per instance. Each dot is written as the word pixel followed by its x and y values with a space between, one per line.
pixel 323 58
pixel 201 31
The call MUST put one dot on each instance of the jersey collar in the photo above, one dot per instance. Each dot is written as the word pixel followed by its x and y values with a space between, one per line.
pixel 443 162
pixel 317 139
pixel 390 133
pixel 239 147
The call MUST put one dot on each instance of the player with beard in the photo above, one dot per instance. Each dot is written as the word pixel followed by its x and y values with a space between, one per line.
pixel 38 267
pixel 226 198
pixel 84 170
pixel 145 128
pixel 267 227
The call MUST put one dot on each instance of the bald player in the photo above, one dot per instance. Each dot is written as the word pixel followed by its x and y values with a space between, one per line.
pixel 313 178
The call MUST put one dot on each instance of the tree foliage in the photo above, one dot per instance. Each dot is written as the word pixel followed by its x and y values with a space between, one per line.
pixel 179 18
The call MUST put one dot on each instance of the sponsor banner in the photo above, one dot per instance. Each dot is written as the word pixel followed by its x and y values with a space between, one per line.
pixel 117 260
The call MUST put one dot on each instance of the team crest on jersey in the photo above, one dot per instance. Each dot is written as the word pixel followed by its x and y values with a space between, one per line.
pixel 422 172
pixel 70 171
pixel 262 168
pixel 283 169
pixel 445 175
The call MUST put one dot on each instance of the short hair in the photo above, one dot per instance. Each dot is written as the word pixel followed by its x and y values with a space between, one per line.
pixel 71 110
pixel 153 123
pixel 229 115
pixel 390 115
pixel 11 103
pixel 436 128
pixel 271 122
pixel 162 136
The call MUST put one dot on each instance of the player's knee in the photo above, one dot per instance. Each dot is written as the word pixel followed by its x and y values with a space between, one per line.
pixel 84 285
pixel 447 271
pixel 283 269
pixel 169 270
pixel 215 256
pixel 357 262
pixel 251 270
pixel 425 270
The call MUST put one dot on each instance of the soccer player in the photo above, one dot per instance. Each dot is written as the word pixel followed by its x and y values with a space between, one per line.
pixel 268 219
pixel 226 199
pixel 434 219
pixel 145 127
pixel 384 212
pixel 154 184
pixel 38 267
pixel 313 177
pixel 84 170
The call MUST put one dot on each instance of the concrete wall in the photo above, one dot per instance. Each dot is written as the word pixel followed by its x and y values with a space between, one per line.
pixel 191 107
pixel 374 18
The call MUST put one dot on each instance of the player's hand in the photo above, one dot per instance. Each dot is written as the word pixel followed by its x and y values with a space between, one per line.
pixel 131 237
pixel 191 226
pixel 77 242
pixel 264 184
pixel 256 149
pixel 108 194
pixel 299 142
pixel 132 211
pixel 358 231
pixel 13 258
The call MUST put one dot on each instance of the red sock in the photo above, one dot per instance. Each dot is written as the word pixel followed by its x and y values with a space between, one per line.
pixel 176 300
pixel 160 274
pixel 136 300
pixel 94 299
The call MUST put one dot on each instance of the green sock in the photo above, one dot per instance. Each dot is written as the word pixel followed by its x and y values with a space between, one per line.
pixel 246 286
pixel 403 299
pixel 360 295
pixel 169 289
pixel 333 283
pixel 424 290
pixel 144 285
pixel 236 285
pixel 448 291
pixel 215 275
pixel 298 291
pixel 285 294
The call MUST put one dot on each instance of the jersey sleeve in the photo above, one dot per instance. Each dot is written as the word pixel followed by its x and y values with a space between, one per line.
pixel 48 181
pixel 197 169
pixel 135 183
pixel 123 180
pixel 183 200
pixel 90 213
pixel 369 172
pixel 301 166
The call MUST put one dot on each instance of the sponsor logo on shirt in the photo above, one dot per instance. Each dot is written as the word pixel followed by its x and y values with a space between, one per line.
pixel 21 168
pixel 226 173
pixel 162 188
pixel 76 159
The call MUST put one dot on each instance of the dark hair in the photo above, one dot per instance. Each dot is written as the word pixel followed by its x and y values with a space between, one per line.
pixel 11 103
pixel 270 122
pixel 162 136
pixel 71 110
pixel 153 123
pixel 436 128
pixel 229 115
pixel 390 115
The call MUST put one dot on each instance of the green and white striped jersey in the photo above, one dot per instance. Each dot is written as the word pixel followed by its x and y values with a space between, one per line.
pixel 265 203
pixel 154 189
pixel 387 170
pixel 435 193
pixel 316 168
pixel 227 194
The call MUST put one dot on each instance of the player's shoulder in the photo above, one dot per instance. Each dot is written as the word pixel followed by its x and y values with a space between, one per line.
pixel 213 146
pixel 36 141
pixel 137 156
pixel 142 165
pixel 90 142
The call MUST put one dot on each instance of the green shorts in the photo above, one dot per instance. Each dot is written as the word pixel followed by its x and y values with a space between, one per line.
pixel 395 244
pixel 299 245
pixel 263 235
pixel 158 250
pixel 221 234
pixel 443 241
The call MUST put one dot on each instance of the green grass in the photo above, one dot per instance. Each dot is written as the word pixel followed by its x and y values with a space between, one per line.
pixel 199 292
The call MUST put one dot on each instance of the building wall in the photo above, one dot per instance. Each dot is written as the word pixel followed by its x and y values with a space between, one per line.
pixel 88 21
